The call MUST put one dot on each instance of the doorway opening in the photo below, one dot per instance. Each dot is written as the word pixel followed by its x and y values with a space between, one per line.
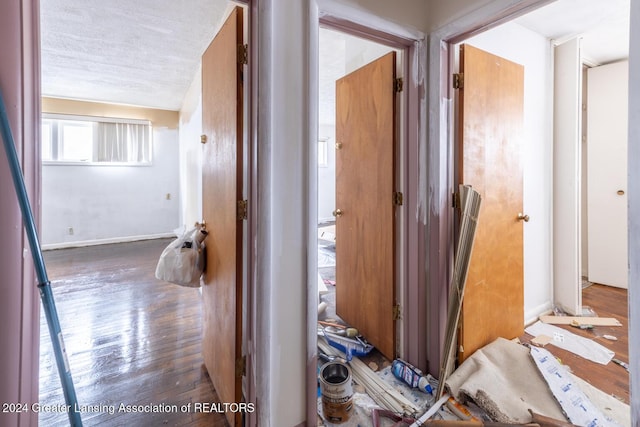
pixel 340 55
pixel 537 158
pixel 131 338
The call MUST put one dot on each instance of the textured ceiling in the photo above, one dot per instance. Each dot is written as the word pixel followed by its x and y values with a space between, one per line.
pixel 332 64
pixel 147 52
pixel 143 52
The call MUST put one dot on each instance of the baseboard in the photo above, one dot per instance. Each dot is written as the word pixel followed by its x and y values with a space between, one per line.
pixel 532 315
pixel 83 243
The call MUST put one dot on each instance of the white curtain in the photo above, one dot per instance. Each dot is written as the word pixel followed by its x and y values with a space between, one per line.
pixel 123 142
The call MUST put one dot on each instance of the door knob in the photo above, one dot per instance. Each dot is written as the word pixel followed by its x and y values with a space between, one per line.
pixel 523 217
pixel 620 192
pixel 203 139
pixel 337 213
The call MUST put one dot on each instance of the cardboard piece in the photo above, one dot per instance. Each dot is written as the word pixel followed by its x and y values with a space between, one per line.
pixel 541 340
pixel 568 320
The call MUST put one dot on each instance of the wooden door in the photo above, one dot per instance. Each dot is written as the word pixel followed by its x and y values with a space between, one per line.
pixel 221 191
pixel 365 230
pixel 490 134
pixel 608 92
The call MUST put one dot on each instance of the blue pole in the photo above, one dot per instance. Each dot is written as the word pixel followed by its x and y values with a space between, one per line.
pixel 43 281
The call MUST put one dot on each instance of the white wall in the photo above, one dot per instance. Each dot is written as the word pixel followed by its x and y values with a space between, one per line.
pixel 110 203
pixel 191 153
pixel 442 12
pixel 327 175
pixel 507 41
pixel 408 14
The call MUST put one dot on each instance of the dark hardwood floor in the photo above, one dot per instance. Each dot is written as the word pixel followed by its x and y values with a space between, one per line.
pixel 613 379
pixel 131 339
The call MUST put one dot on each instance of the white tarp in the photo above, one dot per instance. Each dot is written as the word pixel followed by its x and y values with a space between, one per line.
pixel 569 341
pixel 579 409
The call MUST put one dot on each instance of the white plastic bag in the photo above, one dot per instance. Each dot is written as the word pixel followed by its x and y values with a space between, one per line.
pixel 182 261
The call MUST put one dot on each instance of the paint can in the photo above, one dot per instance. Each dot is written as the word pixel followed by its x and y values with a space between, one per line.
pixel 337 392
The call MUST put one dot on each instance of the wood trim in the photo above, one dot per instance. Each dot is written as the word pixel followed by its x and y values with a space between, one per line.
pixel 159 118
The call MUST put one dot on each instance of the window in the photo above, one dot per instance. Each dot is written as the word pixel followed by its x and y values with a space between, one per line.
pixel 76 139
pixel 323 152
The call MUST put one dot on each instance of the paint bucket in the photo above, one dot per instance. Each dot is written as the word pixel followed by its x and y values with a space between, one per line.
pixel 337 393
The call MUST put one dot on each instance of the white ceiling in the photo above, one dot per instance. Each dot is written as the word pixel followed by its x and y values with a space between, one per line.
pixel 142 52
pixel 603 25
pixel 147 52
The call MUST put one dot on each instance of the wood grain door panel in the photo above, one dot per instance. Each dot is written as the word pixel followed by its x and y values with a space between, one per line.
pixel 491 124
pixel 365 232
pixel 221 190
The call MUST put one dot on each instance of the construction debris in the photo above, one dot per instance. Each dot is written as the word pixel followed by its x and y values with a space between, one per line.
pixel 575 404
pixel 541 340
pixel 470 206
pixel 379 390
pixel 569 341
pixel 579 320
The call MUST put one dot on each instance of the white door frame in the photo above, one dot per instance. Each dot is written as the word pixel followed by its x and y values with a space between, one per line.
pixel 634 213
pixel 410 263
pixel 440 155
pixel 440 168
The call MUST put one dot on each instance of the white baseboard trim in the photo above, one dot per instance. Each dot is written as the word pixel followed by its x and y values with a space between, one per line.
pixel 83 243
pixel 531 316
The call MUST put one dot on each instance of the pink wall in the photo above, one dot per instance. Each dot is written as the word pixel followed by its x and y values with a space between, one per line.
pixel 19 301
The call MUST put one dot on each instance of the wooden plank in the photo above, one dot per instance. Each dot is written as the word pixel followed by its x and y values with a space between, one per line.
pixel 365 232
pixel 541 340
pixel 470 201
pixel 491 127
pixel 222 114
pixel 568 320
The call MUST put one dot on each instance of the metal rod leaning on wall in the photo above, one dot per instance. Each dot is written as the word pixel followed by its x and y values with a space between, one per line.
pixel 43 281
pixel 470 208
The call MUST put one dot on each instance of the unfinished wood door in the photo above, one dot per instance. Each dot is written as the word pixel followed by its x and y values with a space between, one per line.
pixel 365 137
pixel 490 133
pixel 221 191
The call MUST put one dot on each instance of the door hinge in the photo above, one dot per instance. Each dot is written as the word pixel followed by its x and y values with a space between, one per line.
pixel 458 81
pixel 241 367
pixel 455 200
pixel 398 84
pixel 243 54
pixel 242 210
pixel 398 198
pixel 396 312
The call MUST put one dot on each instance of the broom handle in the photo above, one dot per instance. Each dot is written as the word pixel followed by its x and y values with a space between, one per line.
pixel 41 272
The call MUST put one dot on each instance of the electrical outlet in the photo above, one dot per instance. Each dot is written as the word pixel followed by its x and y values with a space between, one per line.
pixel 70 231
pixel 168 196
